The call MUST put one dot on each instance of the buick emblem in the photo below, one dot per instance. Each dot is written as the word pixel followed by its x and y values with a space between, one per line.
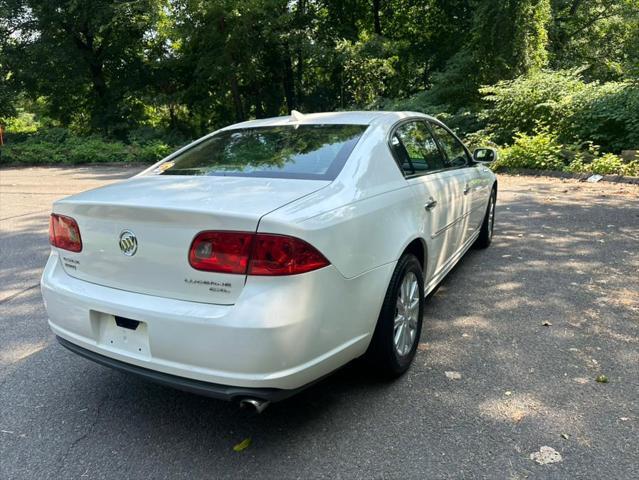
pixel 128 243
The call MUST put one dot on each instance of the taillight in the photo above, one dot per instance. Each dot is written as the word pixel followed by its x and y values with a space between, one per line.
pixel 283 255
pixel 253 254
pixel 64 233
pixel 226 252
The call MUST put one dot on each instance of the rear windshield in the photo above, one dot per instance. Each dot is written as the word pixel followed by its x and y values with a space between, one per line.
pixel 294 151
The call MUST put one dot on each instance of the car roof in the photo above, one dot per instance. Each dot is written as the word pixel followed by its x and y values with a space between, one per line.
pixel 337 118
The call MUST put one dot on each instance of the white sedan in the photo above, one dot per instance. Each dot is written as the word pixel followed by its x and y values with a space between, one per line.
pixel 262 257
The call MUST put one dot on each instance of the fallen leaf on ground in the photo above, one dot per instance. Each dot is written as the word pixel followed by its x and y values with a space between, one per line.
pixel 453 375
pixel 602 379
pixel 546 455
pixel 518 416
pixel 422 347
pixel 243 445
pixel 564 435
pixel 547 324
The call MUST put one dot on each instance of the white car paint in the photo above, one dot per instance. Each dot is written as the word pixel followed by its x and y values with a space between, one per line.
pixel 261 332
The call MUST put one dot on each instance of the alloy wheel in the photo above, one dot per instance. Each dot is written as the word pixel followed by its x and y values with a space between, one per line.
pixel 406 314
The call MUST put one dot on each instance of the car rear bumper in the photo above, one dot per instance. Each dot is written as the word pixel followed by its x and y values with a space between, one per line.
pixel 282 333
pixel 213 390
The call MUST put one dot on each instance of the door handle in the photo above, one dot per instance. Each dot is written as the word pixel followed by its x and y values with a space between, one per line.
pixel 432 203
pixel 466 189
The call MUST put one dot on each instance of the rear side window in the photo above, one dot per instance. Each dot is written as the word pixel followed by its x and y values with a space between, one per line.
pixel 416 149
pixel 293 151
pixel 453 148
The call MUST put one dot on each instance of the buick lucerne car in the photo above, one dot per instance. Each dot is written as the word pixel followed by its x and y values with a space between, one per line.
pixel 260 258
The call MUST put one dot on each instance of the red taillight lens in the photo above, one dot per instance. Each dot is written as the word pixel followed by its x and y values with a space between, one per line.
pixel 283 255
pixel 64 233
pixel 255 254
pixel 226 252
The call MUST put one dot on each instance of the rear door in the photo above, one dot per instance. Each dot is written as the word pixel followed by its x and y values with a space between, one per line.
pixel 434 188
pixel 467 184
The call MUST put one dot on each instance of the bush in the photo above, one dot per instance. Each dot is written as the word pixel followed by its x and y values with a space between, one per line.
pixel 608 164
pixel 58 146
pixel 561 102
pixel 540 152
pixel 606 114
pixel 530 102
pixel 631 168
pixel 23 123
pixel 151 152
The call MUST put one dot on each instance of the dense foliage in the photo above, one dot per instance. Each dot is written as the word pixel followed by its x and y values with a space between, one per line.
pixel 607 113
pixel 116 80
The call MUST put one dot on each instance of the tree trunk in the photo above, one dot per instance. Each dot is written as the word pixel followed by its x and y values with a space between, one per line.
pixel 299 71
pixel 289 81
pixel 377 23
pixel 259 108
pixel 91 55
pixel 237 98
pixel 172 116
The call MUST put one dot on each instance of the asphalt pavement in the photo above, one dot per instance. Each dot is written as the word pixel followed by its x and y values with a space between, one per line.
pixel 512 345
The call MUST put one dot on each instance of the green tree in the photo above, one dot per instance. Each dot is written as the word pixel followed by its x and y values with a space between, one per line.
pixel 8 92
pixel 87 58
pixel 508 38
pixel 600 34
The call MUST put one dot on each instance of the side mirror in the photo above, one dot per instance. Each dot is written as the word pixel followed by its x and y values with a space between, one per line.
pixel 485 155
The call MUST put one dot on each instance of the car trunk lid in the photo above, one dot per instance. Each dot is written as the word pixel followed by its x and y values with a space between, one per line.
pixel 164 214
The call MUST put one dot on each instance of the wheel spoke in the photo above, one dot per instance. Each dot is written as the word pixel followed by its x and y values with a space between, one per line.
pixel 414 304
pixel 405 290
pixel 402 344
pixel 406 340
pixel 409 341
pixel 413 289
pixel 399 304
pixel 398 334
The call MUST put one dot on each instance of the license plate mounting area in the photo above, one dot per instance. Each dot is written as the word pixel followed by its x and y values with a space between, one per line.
pixel 121 333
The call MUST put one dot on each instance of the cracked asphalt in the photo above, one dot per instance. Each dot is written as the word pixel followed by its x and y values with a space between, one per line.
pixel 491 384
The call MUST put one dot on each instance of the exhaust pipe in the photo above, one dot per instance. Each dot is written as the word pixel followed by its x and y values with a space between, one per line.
pixel 259 405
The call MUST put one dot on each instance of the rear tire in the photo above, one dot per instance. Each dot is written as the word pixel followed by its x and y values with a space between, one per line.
pixel 485 237
pixel 399 325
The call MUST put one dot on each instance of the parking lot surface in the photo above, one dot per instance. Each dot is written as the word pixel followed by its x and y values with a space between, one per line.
pixel 512 345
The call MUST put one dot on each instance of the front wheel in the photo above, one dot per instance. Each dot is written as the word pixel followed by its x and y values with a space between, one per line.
pixel 399 325
pixel 486 233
